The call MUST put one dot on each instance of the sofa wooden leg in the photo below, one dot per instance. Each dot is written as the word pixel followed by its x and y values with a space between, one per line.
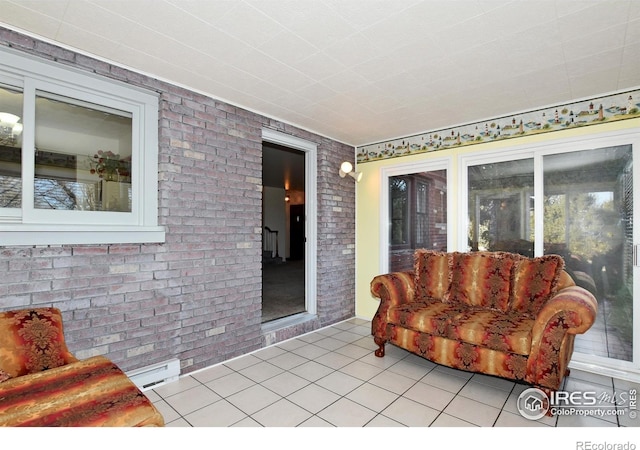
pixel 380 343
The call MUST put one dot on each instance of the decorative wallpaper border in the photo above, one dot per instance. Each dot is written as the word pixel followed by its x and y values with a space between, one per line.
pixel 609 108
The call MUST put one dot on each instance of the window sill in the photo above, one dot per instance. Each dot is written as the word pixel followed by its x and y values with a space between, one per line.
pixel 14 235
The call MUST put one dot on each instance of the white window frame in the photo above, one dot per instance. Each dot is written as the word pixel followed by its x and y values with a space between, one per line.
pixel 31 226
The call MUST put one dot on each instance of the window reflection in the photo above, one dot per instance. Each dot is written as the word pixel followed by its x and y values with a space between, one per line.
pixel 588 204
pixel 83 156
pixel 501 210
pixel 418 216
pixel 11 101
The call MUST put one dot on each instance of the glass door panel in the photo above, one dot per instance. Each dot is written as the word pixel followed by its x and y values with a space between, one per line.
pixel 417 216
pixel 588 211
pixel 500 209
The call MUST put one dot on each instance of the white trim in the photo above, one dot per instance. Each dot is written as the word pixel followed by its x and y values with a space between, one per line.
pixel 310 150
pixel 25 234
pixel 277 137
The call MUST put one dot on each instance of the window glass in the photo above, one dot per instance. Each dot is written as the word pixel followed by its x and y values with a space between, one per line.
pixel 399 196
pixel 11 128
pixel 83 156
pixel 501 213
pixel 588 220
pixel 418 215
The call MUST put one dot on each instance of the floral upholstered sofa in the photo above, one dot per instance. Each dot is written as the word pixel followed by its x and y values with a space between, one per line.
pixel 42 384
pixel 495 313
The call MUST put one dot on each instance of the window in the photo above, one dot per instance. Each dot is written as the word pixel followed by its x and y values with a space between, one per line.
pixel 398 208
pixel 417 215
pixel 78 157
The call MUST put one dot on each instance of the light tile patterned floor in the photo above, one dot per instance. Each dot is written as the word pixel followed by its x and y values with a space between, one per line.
pixel 331 378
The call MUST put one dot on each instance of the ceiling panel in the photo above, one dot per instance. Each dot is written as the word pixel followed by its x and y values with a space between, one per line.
pixel 358 71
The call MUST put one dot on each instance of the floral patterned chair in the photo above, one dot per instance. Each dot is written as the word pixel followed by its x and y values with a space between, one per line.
pixel 495 313
pixel 42 384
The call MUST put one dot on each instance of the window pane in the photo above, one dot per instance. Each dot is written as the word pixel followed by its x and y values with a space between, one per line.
pixel 588 204
pixel 10 148
pixel 398 210
pixel 83 156
pixel 418 214
pixel 501 211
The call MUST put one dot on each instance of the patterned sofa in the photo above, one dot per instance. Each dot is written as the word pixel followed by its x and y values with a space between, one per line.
pixel 495 313
pixel 42 384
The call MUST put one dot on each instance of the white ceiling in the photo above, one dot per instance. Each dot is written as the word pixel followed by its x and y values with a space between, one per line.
pixel 359 71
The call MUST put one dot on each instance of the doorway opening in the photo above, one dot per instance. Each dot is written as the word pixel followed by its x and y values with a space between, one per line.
pixel 284 235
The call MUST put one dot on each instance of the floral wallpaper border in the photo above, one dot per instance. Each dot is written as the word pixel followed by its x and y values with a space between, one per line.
pixel 609 108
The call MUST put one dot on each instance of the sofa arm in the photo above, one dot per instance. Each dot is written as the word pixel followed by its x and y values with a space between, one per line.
pixel 392 289
pixel 32 340
pixel 571 311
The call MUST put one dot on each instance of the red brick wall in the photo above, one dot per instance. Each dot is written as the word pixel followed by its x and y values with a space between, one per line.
pixel 196 297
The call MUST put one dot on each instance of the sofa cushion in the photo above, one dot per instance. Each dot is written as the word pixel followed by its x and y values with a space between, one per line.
pixel 433 273
pixel 32 340
pixel 89 393
pixel 535 280
pixel 428 315
pixel 482 279
pixel 496 330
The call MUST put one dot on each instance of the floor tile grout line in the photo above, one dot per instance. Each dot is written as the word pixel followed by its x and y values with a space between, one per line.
pixel 341 396
pixel 361 343
pixel 310 382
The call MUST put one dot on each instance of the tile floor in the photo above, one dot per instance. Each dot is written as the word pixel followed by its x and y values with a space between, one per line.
pixel 331 378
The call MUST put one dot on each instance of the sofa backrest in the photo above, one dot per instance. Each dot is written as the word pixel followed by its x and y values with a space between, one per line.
pixel 31 340
pixel 535 280
pixel 482 279
pixel 432 273
pixel 497 280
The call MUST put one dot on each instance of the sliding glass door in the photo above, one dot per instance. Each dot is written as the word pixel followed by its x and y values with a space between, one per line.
pixel 576 200
pixel 588 219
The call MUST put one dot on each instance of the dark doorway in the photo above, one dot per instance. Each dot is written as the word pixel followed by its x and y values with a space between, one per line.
pixel 283 219
pixel 296 227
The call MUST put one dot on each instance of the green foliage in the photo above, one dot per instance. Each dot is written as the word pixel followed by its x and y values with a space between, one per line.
pixel 592 227
pixel 621 316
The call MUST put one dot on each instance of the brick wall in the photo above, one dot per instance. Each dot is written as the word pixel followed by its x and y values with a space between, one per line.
pixel 196 297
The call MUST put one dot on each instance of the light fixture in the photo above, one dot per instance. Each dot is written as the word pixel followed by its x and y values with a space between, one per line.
pixel 287 197
pixel 346 168
pixel 10 129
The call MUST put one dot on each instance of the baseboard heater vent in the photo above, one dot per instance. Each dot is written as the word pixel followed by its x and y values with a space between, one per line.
pixel 155 374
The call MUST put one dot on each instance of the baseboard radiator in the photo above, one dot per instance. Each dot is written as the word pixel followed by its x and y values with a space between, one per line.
pixel 156 374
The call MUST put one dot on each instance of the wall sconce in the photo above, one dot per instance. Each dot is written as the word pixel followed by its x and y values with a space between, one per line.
pixel 347 169
pixel 10 129
pixel 287 197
